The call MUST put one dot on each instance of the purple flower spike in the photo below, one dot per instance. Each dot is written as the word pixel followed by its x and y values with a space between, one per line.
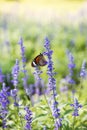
pixel 52 84
pixel 71 66
pixel 1 76
pixel 76 107
pixel 26 76
pixel 4 102
pixel 20 42
pixel 22 55
pixel 28 118
pixel 14 92
pixel 83 72
pixel 15 72
pixel 15 97
pixel 58 124
pixel 31 90
pixel 4 94
pixel 39 84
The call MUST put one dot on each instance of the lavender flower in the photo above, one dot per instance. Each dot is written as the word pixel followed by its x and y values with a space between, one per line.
pixel 31 89
pixel 58 123
pixel 14 96
pixel 71 66
pixel 76 107
pixel 38 81
pixel 1 76
pixel 28 118
pixel 22 53
pixel 24 65
pixel 25 82
pixel 15 73
pixel 83 72
pixel 52 85
pixel 4 102
pixel 70 80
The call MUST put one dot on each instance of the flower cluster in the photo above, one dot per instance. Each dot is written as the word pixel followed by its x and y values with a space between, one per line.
pixel 28 118
pixel 4 102
pixel 76 107
pixel 83 72
pixel 37 88
pixel 52 84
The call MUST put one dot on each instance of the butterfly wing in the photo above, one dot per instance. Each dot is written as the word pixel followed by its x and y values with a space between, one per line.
pixel 42 61
pixel 39 61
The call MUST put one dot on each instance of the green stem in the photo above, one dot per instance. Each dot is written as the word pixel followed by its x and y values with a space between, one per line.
pixel 21 123
pixel 48 105
pixel 74 122
pixel 81 87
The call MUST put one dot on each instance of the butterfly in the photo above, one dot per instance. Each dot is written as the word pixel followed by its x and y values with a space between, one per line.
pixel 39 61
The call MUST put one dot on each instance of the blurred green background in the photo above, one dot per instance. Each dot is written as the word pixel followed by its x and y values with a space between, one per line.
pixel 64 22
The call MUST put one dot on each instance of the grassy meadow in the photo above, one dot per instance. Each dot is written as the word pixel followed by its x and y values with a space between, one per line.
pixel 64 23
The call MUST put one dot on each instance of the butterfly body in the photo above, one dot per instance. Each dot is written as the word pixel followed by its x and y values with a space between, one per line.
pixel 39 61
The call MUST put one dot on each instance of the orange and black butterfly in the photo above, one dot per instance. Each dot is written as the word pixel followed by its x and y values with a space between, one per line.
pixel 39 61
